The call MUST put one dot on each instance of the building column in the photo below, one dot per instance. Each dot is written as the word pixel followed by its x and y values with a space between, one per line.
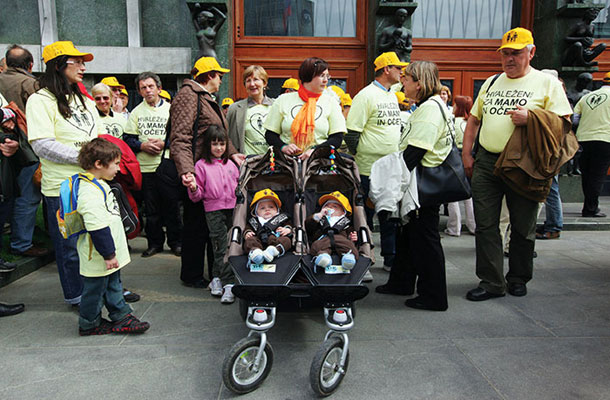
pixel 134 24
pixel 48 22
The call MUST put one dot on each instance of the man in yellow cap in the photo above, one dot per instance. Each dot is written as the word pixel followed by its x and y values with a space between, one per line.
pixel 226 103
pixel 503 103
pixel 373 131
pixel 114 85
pixel 290 85
pixel 592 114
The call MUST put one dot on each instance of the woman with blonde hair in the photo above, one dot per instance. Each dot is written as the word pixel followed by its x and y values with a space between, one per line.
pixel 246 117
pixel 419 252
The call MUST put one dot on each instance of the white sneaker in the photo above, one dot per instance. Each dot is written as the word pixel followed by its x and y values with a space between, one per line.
pixel 323 260
pixel 227 295
pixel 256 256
pixel 270 253
pixel 215 287
pixel 368 277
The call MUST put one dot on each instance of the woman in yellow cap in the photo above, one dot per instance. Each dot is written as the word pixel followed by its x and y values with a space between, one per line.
pixel 60 120
pixel 194 107
pixel 297 122
pixel 246 116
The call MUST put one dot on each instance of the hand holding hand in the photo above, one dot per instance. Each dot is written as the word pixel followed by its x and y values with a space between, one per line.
pixel 187 179
pixel 150 148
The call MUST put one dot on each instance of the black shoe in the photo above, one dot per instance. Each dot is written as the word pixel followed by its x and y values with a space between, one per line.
pixel 10 309
pixel 480 294
pixel 594 215
pixel 389 289
pixel 420 304
pixel 200 284
pixel 517 289
pixel 6 266
pixel 177 250
pixel 151 251
pixel 129 296
pixel 34 251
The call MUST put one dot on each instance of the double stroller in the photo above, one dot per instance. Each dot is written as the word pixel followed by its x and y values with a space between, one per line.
pixel 260 288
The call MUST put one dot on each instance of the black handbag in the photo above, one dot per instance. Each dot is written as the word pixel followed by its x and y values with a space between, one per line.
pixel 167 171
pixel 447 182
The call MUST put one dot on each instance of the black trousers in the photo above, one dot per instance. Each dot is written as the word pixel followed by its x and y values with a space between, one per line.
pixel 594 163
pixel 420 257
pixel 162 209
pixel 195 241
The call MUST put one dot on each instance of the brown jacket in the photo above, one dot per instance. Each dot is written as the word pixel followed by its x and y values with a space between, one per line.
pixel 182 119
pixel 16 84
pixel 535 153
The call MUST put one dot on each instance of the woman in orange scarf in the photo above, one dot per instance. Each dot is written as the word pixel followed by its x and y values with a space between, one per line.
pixel 299 121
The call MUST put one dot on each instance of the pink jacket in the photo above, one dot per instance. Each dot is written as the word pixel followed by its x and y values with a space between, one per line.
pixel 216 185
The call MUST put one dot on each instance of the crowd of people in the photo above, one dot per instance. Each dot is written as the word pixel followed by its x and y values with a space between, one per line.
pixel 201 142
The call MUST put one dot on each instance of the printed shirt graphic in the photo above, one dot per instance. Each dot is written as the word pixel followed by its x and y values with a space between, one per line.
pixel 45 121
pixel 532 91
pixel 376 115
pixel 329 118
pixel 113 125
pixel 97 215
pixel 594 110
pixel 254 132
pixel 148 123
pixel 428 130
pixel 460 126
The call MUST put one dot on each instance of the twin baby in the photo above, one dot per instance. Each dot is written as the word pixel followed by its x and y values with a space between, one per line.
pixel 269 233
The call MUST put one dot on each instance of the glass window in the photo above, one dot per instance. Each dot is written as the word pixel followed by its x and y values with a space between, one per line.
pixel 320 18
pixel 462 19
pixel 602 22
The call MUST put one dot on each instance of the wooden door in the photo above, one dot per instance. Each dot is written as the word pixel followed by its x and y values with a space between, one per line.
pixel 281 55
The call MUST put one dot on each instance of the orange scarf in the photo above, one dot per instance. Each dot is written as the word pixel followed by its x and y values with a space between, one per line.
pixel 304 123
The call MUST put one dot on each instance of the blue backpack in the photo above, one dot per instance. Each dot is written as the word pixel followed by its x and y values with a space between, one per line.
pixel 70 222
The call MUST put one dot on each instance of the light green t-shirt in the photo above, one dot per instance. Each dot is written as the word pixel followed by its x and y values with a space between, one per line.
pixel 113 125
pixel 97 215
pixel 328 119
pixel 460 126
pixel 45 121
pixel 404 117
pixel 532 91
pixel 428 130
pixel 254 132
pixel 148 123
pixel 594 110
pixel 375 114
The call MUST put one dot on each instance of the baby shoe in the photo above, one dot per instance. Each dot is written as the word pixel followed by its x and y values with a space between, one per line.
pixel 270 253
pixel 256 256
pixel 348 261
pixel 323 260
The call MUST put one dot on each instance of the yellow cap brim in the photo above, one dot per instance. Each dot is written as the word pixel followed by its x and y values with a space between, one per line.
pixel 516 46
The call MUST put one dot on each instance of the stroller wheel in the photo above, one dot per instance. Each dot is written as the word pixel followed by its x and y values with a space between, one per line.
pixel 326 372
pixel 238 371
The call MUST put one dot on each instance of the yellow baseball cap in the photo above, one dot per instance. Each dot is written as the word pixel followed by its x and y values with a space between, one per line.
pixel 607 77
pixel 165 94
pixel 227 101
pixel 124 91
pixel 346 100
pixel 337 90
pixel 516 38
pixel 61 48
pixel 112 82
pixel 388 59
pixel 266 194
pixel 290 83
pixel 402 99
pixel 207 64
pixel 337 197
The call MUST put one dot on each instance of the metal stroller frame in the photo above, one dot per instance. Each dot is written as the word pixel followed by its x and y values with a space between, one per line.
pixel 249 361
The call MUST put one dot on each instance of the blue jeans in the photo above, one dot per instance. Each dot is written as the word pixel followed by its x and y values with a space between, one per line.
pixel 66 256
pixel 387 226
pixel 24 210
pixel 553 209
pixel 102 291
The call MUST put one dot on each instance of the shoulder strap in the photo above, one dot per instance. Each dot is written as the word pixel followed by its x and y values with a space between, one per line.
pixel 477 143
pixel 93 181
pixel 451 129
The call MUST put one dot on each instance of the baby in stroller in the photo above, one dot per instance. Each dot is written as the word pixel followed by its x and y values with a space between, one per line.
pixel 268 227
pixel 332 229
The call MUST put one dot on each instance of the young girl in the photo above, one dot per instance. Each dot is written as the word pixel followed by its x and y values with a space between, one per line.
pixel 215 183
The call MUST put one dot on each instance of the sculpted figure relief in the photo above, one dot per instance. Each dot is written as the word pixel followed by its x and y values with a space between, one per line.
pixel 397 38
pixel 207 23
pixel 580 39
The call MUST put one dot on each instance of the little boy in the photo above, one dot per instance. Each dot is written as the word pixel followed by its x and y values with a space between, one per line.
pixel 267 228
pixel 102 251
pixel 331 229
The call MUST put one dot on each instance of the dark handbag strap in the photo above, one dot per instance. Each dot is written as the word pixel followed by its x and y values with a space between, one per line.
pixel 168 130
pixel 451 128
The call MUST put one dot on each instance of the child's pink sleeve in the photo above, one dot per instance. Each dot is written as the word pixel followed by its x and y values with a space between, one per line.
pixel 197 195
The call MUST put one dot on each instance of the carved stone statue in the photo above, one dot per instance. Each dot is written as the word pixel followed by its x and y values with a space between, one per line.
pixel 207 25
pixel 397 38
pixel 580 39
pixel 583 82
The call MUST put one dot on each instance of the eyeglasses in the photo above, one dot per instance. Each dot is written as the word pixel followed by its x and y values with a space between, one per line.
pixel 100 98
pixel 325 76
pixel 80 63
